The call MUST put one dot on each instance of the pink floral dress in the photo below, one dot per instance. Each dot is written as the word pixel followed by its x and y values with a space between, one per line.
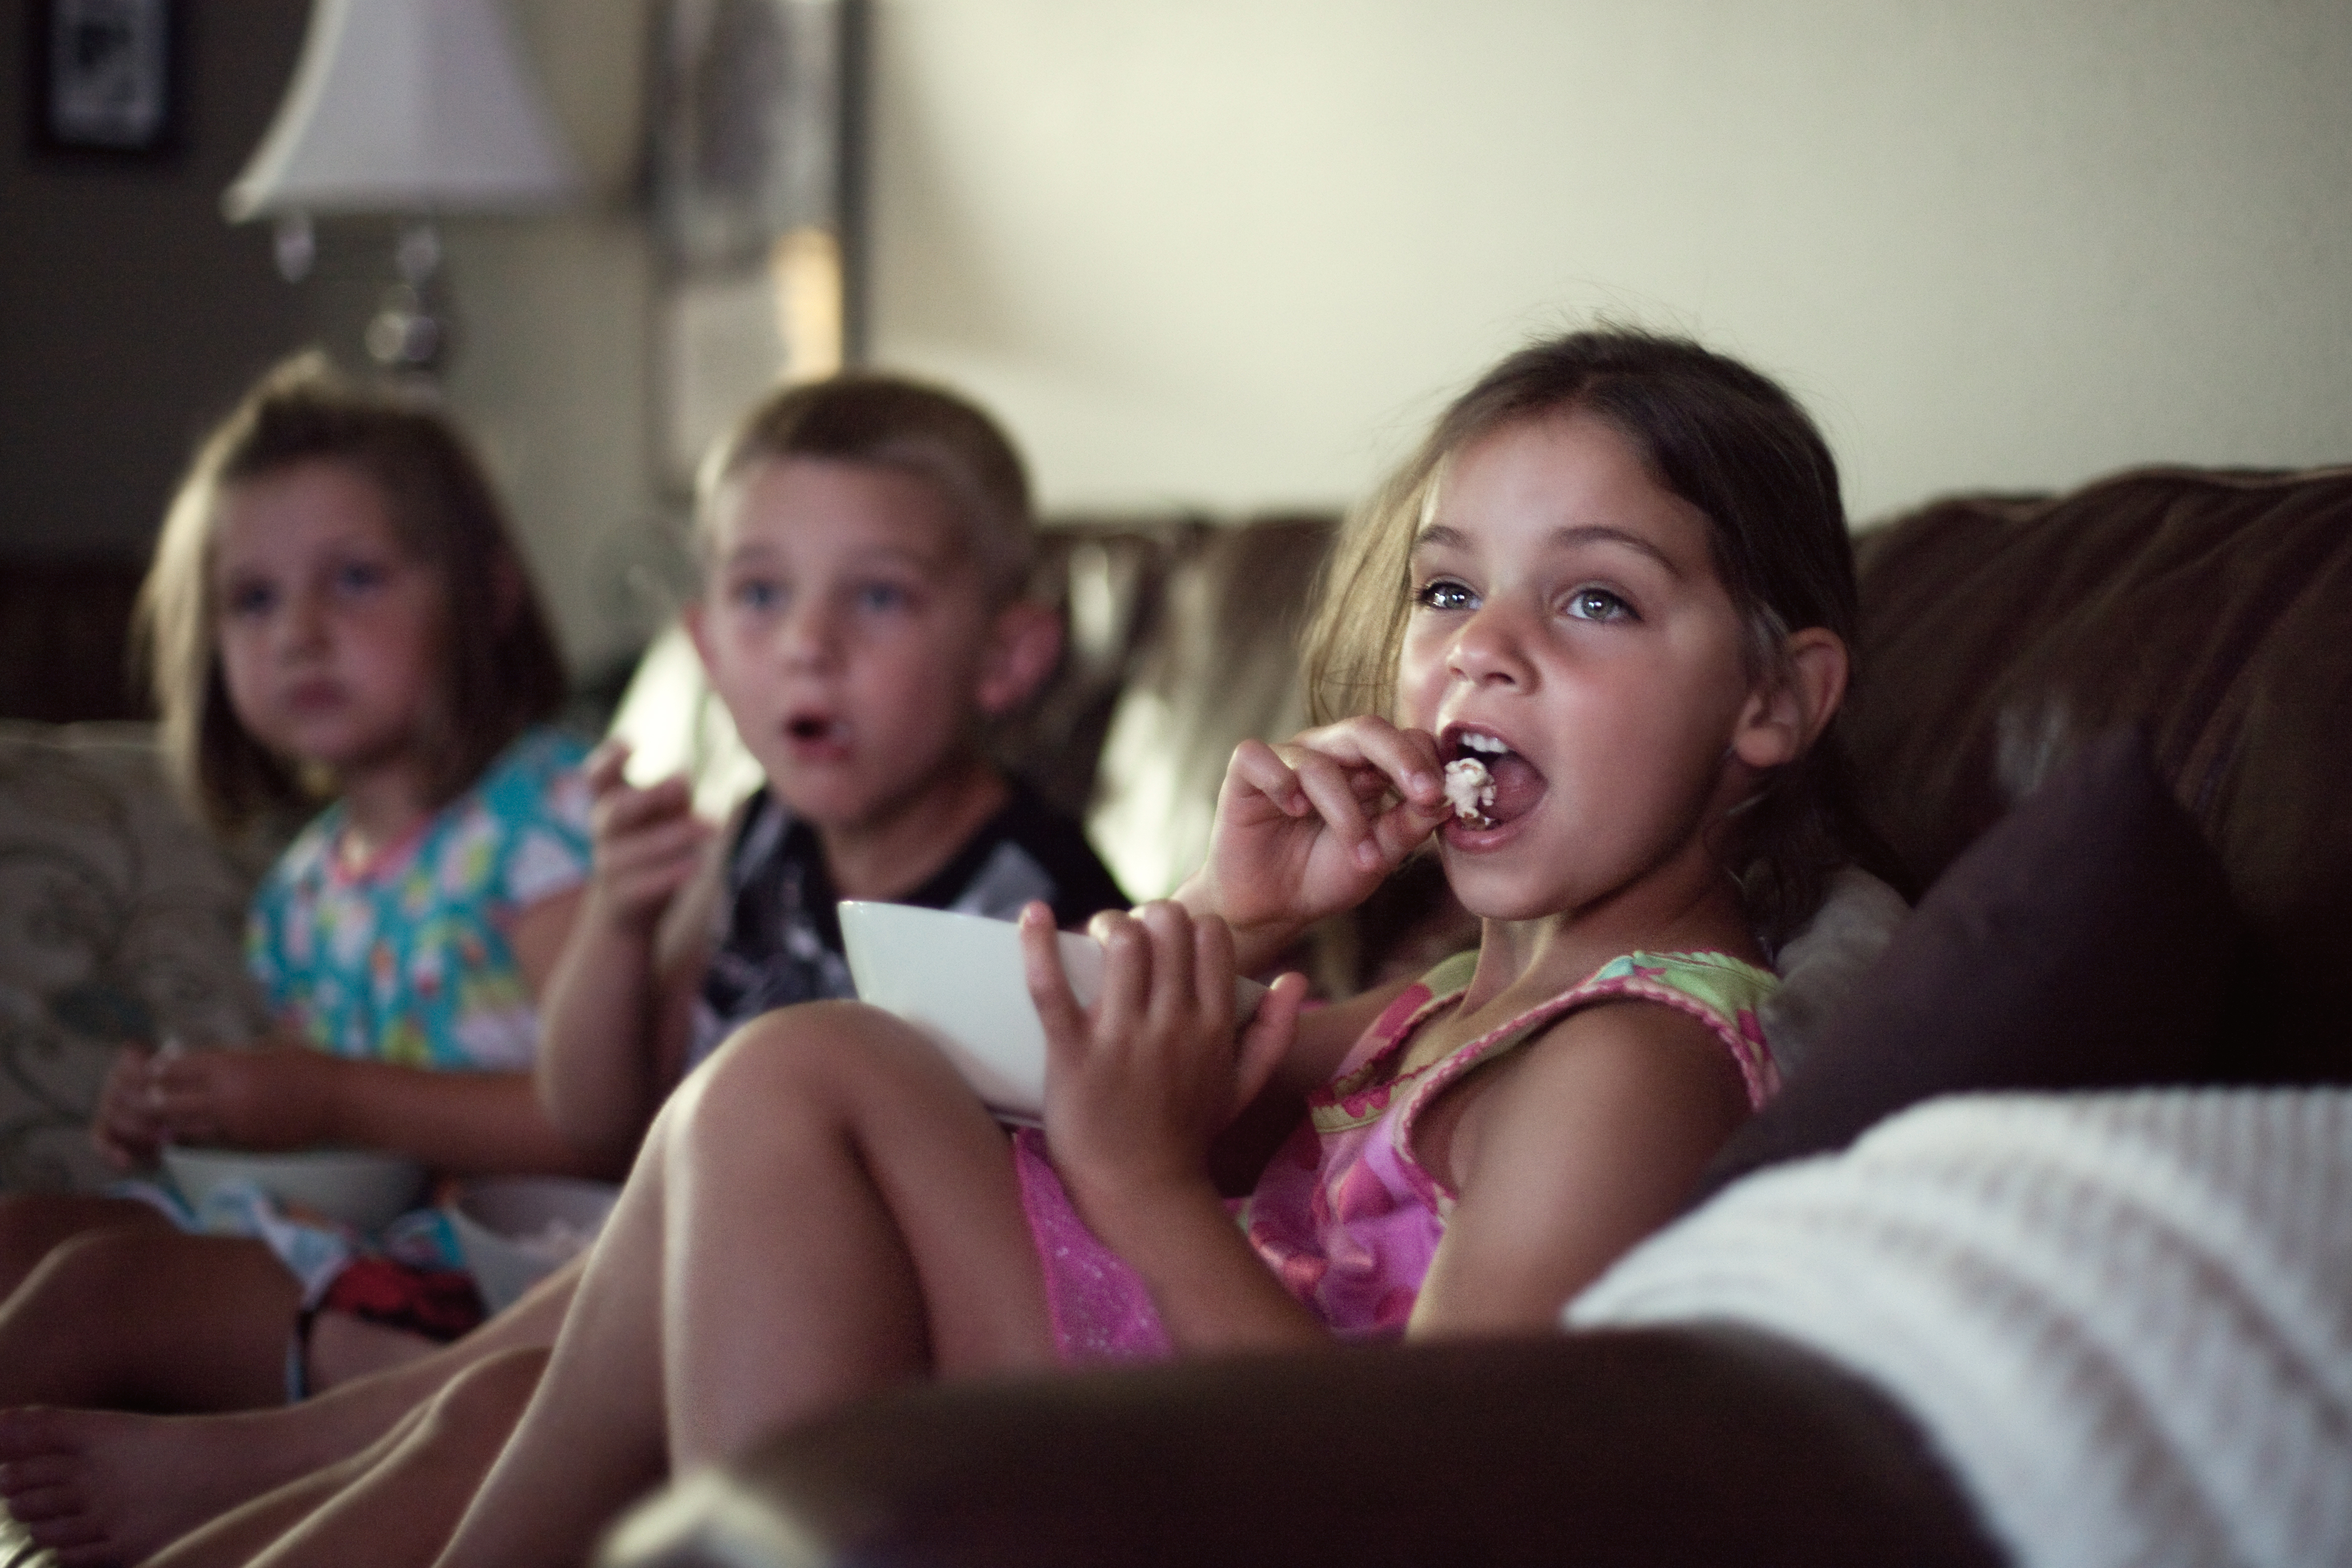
pixel 1345 1214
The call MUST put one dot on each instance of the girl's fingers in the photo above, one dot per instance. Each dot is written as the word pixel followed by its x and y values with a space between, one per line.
pixel 1212 971
pixel 1403 827
pixel 1170 927
pixel 1333 789
pixel 1407 758
pixel 1262 768
pixel 1267 1039
pixel 1127 973
pixel 1049 984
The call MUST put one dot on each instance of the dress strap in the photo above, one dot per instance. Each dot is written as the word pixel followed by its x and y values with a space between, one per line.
pixel 1719 990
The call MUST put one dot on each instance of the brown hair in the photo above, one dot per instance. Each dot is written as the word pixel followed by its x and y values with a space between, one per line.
pixel 499 671
pixel 894 422
pixel 1723 437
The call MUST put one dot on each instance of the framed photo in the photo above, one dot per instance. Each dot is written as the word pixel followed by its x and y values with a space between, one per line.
pixel 105 75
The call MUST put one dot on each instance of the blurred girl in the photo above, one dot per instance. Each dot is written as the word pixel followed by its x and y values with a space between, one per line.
pixel 335 610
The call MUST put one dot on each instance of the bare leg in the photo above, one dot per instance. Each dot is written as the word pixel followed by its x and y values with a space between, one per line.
pixel 135 1483
pixel 343 1348
pixel 395 1502
pixel 33 1224
pixel 823 1211
pixel 143 1318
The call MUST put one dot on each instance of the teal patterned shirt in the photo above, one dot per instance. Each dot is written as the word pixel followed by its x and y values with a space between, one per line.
pixel 406 959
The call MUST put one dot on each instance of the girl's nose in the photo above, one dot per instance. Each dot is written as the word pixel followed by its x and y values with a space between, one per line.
pixel 302 624
pixel 1490 647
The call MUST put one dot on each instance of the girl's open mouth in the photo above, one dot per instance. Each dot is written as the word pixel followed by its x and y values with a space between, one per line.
pixel 1490 785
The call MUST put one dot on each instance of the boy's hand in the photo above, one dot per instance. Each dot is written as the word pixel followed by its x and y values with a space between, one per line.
pixel 271 1097
pixel 1138 1084
pixel 1311 827
pixel 126 1129
pixel 647 844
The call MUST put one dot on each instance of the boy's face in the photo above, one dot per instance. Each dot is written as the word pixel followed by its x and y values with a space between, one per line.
pixel 845 625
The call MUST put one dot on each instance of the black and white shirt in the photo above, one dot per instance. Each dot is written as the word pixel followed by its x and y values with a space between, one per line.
pixel 780 939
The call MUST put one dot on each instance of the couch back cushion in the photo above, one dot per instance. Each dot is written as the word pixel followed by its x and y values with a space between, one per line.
pixel 119 920
pixel 2214 608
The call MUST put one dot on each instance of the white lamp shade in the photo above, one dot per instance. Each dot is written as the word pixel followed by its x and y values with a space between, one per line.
pixel 406 106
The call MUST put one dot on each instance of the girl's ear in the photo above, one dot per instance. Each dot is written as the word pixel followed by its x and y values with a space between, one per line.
pixel 1025 642
pixel 1783 717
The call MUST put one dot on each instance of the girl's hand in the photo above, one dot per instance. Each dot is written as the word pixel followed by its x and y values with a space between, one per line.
pixel 1137 1084
pixel 270 1097
pixel 645 843
pixel 1311 827
pixel 126 1129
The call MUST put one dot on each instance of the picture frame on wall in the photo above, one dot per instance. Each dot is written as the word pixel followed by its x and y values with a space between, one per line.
pixel 105 77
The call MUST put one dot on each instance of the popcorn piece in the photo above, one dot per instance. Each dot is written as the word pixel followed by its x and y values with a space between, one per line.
pixel 1470 789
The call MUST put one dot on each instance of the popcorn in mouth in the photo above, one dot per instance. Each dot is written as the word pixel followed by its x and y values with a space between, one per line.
pixel 1470 789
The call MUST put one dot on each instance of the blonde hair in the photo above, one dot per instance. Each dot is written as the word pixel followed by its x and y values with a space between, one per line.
pixel 498 669
pixel 893 422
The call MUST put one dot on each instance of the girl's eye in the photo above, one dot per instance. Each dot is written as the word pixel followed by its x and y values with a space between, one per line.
pixel 1443 593
pixel 246 599
pixel 358 577
pixel 1599 605
pixel 883 597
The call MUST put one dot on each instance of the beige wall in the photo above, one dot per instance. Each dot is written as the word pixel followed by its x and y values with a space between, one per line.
pixel 1232 252
pixel 551 369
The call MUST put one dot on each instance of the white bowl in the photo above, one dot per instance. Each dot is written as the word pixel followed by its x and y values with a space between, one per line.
pixel 515 1230
pixel 958 979
pixel 364 1188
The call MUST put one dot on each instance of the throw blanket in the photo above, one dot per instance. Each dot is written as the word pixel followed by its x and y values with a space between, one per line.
pixel 2125 1319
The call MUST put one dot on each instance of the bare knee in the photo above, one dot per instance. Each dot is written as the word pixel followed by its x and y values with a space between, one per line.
pixel 829 1059
pixel 113 1267
pixel 34 1225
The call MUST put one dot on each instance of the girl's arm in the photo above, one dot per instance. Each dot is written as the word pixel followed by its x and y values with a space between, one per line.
pixel 615 1019
pixel 1311 827
pixel 1135 1088
pixel 1565 1154
pixel 296 1096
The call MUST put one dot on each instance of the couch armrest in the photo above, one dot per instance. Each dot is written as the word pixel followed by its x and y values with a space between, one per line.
pixel 1653 1446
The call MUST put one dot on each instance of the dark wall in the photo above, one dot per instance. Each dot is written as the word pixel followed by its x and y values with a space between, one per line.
pixel 130 313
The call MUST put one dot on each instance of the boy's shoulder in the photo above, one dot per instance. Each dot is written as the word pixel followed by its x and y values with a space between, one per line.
pixel 1028 849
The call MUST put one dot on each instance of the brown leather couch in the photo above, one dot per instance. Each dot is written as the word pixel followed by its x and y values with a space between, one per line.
pixel 2212 609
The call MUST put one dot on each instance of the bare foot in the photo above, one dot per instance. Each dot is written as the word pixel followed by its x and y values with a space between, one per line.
pixel 104 1486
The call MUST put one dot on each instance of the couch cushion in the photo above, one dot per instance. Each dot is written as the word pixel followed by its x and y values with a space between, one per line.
pixel 2215 608
pixel 2085 942
pixel 119 920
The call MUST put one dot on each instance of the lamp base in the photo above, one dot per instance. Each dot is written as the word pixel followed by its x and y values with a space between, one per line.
pixel 411 331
